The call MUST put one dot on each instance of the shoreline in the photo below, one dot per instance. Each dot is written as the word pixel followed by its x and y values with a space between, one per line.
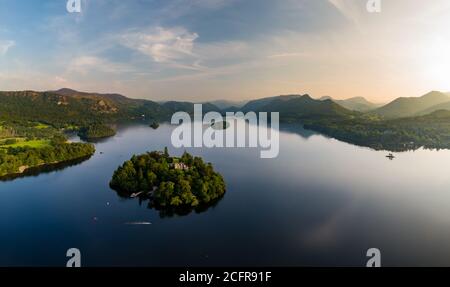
pixel 44 168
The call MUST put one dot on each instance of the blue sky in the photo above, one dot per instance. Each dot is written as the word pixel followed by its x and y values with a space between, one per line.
pixel 226 49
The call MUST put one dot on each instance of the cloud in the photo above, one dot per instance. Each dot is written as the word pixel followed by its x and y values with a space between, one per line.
pixel 286 55
pixel 178 48
pixel 86 64
pixel 5 46
pixel 163 45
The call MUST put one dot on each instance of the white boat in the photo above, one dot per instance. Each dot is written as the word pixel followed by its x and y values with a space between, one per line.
pixel 139 223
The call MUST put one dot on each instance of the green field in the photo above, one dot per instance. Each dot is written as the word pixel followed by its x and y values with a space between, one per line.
pixel 23 143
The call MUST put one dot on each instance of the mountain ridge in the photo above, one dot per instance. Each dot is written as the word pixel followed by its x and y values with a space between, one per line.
pixel 407 107
pixel 295 107
pixel 358 104
pixel 59 105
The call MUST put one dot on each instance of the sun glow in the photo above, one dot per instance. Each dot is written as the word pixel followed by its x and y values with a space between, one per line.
pixel 436 65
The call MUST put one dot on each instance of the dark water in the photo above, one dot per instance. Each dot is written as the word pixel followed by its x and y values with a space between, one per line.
pixel 320 203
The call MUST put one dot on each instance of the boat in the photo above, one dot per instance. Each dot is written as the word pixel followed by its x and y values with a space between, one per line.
pixel 139 223
pixel 390 156
pixel 134 195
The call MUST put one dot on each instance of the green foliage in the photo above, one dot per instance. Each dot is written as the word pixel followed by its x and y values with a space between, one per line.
pixel 22 129
pixel 70 108
pixel 25 144
pixel 14 143
pixel 10 141
pixel 185 182
pixel 96 131
pixel 16 160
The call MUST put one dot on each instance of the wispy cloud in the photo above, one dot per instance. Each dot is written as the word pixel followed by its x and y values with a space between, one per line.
pixel 5 46
pixel 177 47
pixel 163 45
pixel 286 55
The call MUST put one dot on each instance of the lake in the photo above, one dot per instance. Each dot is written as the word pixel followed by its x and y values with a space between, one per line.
pixel 320 203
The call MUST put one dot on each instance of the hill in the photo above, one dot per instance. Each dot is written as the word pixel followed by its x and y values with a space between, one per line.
pixel 358 104
pixel 61 108
pixel 127 108
pixel 443 106
pixel 408 107
pixel 296 107
pixel 255 105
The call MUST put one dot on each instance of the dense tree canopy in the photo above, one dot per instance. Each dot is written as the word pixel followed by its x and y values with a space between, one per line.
pixel 170 182
pixel 17 160
pixel 25 145
pixel 96 131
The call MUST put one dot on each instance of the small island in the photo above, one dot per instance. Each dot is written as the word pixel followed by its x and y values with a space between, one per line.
pixel 154 125
pixel 170 183
pixel 95 132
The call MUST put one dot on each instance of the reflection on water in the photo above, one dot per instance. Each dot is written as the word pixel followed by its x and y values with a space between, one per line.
pixel 297 129
pixel 169 212
pixel 320 203
pixel 37 170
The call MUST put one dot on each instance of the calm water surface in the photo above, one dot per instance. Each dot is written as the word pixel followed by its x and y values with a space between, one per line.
pixel 320 203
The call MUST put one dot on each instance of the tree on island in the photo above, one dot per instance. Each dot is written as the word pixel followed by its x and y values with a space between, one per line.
pixel 169 182
pixel 96 131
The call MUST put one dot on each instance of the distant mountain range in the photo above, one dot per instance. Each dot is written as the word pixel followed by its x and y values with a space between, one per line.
pixel 188 107
pixel 70 106
pixel 224 104
pixel 291 106
pixel 358 104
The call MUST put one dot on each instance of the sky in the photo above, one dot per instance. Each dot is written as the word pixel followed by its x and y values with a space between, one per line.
pixel 197 50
